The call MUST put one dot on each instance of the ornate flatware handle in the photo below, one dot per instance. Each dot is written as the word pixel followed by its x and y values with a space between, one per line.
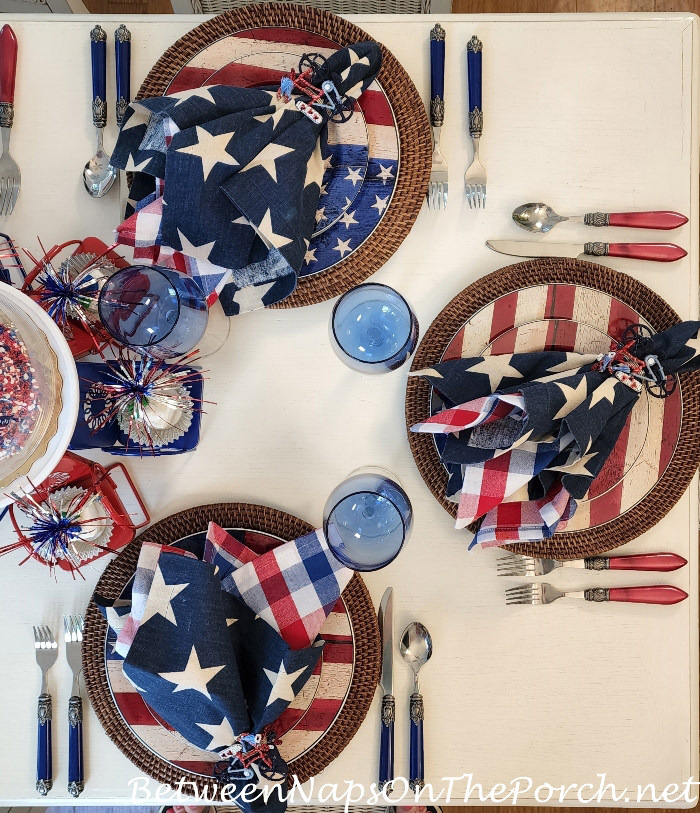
pixel 76 771
pixel 386 743
pixel 476 111
pixel 653 594
pixel 44 761
pixel 122 55
pixel 657 252
pixel 659 562
pixel 636 220
pixel 416 775
pixel 8 71
pixel 98 54
pixel 437 75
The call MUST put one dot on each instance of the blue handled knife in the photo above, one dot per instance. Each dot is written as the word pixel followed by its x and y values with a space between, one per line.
pixel 386 747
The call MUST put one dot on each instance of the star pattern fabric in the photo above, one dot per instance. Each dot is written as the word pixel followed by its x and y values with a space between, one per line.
pixel 524 435
pixel 227 183
pixel 224 638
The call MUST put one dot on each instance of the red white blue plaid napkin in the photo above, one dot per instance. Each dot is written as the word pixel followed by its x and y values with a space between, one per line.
pixel 292 587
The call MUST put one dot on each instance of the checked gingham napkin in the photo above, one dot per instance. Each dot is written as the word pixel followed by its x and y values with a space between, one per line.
pixel 219 640
pixel 227 181
pixel 292 587
pixel 523 435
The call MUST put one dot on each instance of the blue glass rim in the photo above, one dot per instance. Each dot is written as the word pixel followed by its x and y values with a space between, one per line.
pixel 399 358
pixel 160 271
pixel 353 565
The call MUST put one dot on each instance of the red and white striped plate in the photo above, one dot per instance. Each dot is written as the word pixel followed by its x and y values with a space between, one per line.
pixel 576 318
pixel 300 727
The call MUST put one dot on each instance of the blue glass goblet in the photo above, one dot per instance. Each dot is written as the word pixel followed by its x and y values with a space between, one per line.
pixel 154 310
pixel 373 329
pixel 367 519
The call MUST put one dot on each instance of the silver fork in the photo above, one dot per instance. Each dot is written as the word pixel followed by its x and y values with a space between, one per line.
pixel 73 625
pixel 543 593
pixel 437 189
pixel 46 651
pixel 10 176
pixel 517 565
pixel 475 176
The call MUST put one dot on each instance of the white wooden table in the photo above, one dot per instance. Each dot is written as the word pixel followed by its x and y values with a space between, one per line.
pixel 586 112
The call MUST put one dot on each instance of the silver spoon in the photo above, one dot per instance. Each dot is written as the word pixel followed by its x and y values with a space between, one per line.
pixel 416 648
pixel 99 175
pixel 540 218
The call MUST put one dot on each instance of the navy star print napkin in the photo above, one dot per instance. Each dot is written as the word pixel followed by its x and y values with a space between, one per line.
pixel 523 436
pixel 227 182
pixel 218 640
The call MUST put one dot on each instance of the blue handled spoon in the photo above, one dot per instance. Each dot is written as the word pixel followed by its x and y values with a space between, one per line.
pixel 99 175
pixel 416 649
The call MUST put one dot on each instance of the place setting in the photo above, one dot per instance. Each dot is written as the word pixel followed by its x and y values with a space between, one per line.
pixel 276 157
pixel 302 592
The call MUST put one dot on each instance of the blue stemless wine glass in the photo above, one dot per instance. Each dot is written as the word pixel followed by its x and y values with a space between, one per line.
pixel 154 310
pixel 373 329
pixel 367 518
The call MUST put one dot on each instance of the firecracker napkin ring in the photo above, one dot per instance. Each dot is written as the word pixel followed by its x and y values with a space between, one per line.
pixel 519 306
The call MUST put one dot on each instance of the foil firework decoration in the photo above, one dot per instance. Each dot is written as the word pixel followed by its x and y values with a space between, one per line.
pixel 68 526
pixel 147 397
pixel 71 291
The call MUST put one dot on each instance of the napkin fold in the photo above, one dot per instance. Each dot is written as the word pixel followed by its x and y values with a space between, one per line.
pixel 219 640
pixel 227 180
pixel 524 435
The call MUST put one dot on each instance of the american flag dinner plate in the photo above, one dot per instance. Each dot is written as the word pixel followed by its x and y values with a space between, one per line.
pixel 300 727
pixel 576 318
pixel 362 155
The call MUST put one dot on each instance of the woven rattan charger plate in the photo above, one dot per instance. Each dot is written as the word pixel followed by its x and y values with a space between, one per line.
pixel 409 116
pixel 570 305
pixel 358 604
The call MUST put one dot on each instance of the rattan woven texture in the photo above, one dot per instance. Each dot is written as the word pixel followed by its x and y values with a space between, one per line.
pixel 336 6
pixel 415 147
pixel 230 515
pixel 686 457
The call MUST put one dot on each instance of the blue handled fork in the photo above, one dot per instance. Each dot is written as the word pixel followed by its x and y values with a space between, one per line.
pixel 122 62
pixel 437 189
pixel 46 651
pixel 475 176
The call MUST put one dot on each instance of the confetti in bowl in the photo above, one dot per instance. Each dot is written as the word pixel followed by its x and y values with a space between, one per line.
pixel 38 393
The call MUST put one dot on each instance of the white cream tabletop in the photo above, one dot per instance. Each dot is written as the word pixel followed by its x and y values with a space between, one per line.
pixel 586 112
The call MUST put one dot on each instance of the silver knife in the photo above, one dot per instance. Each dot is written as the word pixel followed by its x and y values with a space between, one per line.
pixel 658 252
pixel 386 746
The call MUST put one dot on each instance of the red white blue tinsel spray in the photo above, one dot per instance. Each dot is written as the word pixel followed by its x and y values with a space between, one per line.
pixel 68 526
pixel 149 399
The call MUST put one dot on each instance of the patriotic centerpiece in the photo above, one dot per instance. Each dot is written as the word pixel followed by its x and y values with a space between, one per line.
pixel 523 435
pixel 218 640
pixel 144 404
pixel 67 286
pixel 76 515
pixel 227 180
